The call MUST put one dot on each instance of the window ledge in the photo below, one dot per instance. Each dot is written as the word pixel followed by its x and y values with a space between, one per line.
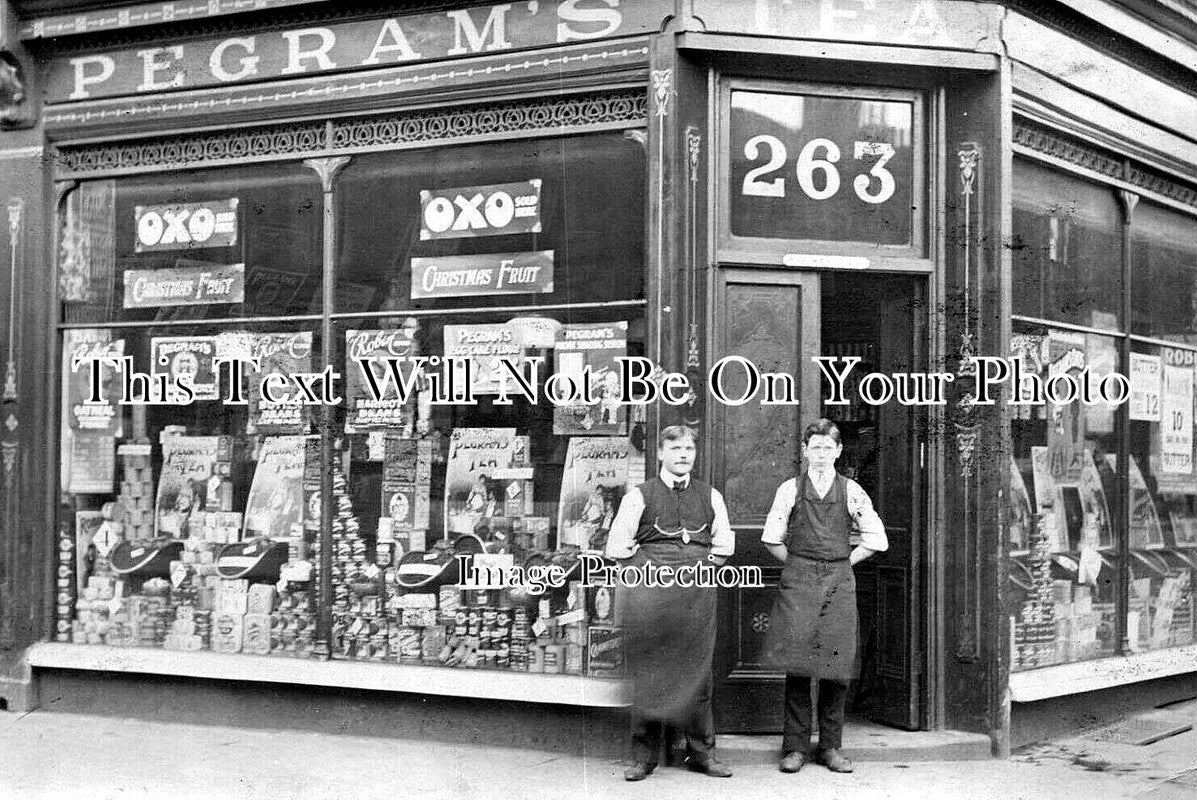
pixel 573 690
pixel 1101 673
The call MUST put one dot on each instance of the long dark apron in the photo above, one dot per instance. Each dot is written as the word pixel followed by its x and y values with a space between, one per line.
pixel 669 635
pixel 812 630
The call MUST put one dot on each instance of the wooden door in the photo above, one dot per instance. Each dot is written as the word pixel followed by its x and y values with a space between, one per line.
pixel 771 318
pixel 884 452
pixel 780 321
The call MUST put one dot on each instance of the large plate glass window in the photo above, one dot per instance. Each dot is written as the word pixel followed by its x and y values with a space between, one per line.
pixel 197 526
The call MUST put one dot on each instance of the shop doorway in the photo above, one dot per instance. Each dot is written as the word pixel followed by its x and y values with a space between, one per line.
pixel 780 320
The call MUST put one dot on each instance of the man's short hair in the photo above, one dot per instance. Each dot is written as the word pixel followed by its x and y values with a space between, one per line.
pixel 676 432
pixel 821 427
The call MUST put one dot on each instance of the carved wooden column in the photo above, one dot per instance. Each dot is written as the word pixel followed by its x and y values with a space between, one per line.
pixel 976 438
pixel 678 252
pixel 27 541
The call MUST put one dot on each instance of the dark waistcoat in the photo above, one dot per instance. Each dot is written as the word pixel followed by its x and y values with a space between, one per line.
pixel 820 527
pixel 669 514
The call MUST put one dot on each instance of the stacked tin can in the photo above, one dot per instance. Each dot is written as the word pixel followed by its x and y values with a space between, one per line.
pixel 293 624
pixel 67 592
pixel 521 637
pixel 1035 630
pixel 137 490
pixel 187 632
pixel 93 612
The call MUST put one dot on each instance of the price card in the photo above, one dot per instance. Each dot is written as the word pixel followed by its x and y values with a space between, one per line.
pixel 1145 372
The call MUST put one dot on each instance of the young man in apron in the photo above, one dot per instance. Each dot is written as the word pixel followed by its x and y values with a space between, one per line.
pixel 812 631
pixel 671 520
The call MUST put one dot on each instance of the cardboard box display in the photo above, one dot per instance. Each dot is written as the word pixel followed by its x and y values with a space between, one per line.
pixel 227 633
pixel 604 651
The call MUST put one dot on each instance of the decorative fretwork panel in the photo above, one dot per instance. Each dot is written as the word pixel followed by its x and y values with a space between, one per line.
pixel 1058 145
pixel 396 130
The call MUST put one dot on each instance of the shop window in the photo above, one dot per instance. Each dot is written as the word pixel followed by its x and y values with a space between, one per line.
pixel 1163 483
pixel 1063 486
pixel 197 526
pixel 407 222
pixel 1164 289
pixel 212 244
pixel 1067 249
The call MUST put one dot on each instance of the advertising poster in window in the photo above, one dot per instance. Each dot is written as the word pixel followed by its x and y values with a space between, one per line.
pixel 484 345
pixel 187 284
pixel 188 464
pixel 87 525
pixel 91 466
pixel 276 291
pixel 595 479
pixel 1022 519
pixel 1176 412
pixel 1102 359
pixel 1181 510
pixel 1095 506
pixel 275 504
pixel 370 350
pixel 187 357
pixel 1066 423
pixel 87 252
pixel 180 226
pixel 495 210
pixel 1145 531
pixel 286 354
pixel 592 347
pixel 471 494
pixel 79 344
pixel 1145 379
pixel 1031 351
pixel 406 482
pixel 1049 500
pixel 482 274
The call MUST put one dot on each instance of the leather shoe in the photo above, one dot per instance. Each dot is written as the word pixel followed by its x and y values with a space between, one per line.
pixel 792 762
pixel 834 761
pixel 638 771
pixel 716 769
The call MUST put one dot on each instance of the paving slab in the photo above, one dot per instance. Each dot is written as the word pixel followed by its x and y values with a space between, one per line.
pixel 61 755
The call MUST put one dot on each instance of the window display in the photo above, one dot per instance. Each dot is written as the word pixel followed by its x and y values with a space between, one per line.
pixel 1060 520
pixel 1064 526
pixel 1163 545
pixel 193 516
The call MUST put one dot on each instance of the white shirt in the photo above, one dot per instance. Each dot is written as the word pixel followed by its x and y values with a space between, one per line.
pixel 621 540
pixel 860 508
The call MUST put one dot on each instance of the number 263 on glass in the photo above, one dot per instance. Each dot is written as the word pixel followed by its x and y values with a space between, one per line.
pixel 816 170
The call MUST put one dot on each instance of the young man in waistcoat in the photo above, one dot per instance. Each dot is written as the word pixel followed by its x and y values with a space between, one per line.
pixel 812 630
pixel 673 519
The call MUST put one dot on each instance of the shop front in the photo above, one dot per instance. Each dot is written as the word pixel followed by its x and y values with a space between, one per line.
pixel 825 191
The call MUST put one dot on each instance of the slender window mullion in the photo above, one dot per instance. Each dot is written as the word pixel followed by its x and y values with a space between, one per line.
pixel 1122 422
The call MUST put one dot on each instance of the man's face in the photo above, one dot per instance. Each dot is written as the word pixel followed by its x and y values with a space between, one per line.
pixel 677 456
pixel 821 451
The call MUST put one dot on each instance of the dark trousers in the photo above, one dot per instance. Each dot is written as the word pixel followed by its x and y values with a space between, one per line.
pixel 798 715
pixel 699 730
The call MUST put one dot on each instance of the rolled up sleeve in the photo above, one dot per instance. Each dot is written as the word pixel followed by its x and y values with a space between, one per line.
pixel 723 538
pixel 868 523
pixel 779 514
pixel 621 539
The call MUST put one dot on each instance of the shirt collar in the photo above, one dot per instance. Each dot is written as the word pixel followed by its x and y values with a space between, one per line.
pixel 669 479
